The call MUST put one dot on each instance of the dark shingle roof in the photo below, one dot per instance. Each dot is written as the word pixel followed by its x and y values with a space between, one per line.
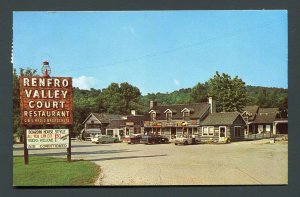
pixel 137 119
pixel 266 115
pixel 251 111
pixel 197 109
pixel 116 124
pixel 222 118
pixel 105 118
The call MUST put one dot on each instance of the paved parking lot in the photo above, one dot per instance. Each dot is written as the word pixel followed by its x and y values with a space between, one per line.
pixel 237 163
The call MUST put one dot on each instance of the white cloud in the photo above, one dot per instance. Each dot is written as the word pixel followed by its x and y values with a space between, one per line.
pixel 84 82
pixel 176 82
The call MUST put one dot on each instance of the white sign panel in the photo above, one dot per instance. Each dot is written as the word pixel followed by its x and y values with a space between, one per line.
pixel 47 138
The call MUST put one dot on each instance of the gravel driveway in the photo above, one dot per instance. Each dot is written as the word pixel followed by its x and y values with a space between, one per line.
pixel 237 163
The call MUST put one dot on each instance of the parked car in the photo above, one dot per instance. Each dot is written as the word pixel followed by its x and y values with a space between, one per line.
pixel 162 139
pixel 88 138
pixel 134 139
pixel 185 140
pixel 154 139
pixel 105 139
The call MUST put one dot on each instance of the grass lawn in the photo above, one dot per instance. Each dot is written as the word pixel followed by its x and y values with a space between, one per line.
pixel 48 171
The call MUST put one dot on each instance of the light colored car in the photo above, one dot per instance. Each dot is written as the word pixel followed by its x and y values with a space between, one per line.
pixel 104 139
pixel 187 140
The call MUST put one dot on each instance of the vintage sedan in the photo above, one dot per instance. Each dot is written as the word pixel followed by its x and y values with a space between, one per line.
pixel 154 139
pixel 105 139
pixel 185 140
pixel 134 139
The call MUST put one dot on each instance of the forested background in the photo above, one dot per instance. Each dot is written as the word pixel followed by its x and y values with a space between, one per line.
pixel 231 94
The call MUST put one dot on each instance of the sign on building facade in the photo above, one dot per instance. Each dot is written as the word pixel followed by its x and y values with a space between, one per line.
pixel 46 101
pixel 47 138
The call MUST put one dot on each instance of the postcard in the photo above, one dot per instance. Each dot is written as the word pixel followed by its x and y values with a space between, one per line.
pixel 150 98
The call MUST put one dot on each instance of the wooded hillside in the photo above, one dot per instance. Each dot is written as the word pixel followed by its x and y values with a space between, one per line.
pixel 231 94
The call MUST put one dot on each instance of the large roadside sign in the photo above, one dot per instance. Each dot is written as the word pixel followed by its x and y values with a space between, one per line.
pixel 47 138
pixel 46 101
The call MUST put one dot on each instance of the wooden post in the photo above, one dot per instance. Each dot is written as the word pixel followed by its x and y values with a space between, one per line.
pixel 26 157
pixel 69 148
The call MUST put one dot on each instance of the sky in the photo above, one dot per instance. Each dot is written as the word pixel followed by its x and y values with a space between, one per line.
pixel 156 51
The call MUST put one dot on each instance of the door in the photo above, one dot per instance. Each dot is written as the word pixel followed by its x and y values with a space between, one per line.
pixel 173 132
pixel 222 133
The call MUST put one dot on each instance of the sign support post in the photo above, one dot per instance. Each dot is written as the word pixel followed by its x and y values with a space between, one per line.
pixel 69 148
pixel 45 101
pixel 26 158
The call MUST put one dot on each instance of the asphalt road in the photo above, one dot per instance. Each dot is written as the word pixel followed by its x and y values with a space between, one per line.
pixel 239 163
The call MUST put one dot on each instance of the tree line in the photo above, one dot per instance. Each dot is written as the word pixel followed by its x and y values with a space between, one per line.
pixel 231 94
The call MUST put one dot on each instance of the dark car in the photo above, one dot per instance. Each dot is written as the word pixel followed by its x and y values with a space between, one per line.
pixel 134 139
pixel 154 139
pixel 162 139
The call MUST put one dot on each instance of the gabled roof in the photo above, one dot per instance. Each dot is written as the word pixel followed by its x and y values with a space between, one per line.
pixel 188 109
pixel 251 109
pixel 222 118
pixel 197 110
pixel 268 110
pixel 105 118
pixel 114 124
pixel 266 115
pixel 137 119
pixel 169 110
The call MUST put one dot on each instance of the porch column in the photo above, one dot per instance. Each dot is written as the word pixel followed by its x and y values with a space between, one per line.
pixel 274 128
pixel 248 127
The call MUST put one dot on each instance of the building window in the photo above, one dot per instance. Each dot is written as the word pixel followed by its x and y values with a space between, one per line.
pixel 186 115
pixel 207 131
pixel 268 127
pixel 153 116
pixel 237 131
pixel 169 116
pixel 110 132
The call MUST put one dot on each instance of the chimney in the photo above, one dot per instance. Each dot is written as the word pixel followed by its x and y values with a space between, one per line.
pixel 133 112
pixel 153 104
pixel 212 104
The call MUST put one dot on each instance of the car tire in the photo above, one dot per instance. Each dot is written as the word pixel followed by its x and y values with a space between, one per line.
pixel 175 144
pixel 185 143
pixel 115 141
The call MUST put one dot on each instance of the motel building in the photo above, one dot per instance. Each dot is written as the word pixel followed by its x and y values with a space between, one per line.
pixel 115 125
pixel 264 121
pixel 177 120
pixel 218 127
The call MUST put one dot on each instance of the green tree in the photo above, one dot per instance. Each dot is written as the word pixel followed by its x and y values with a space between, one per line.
pixel 130 95
pixel 199 93
pixel 262 98
pixel 17 129
pixel 283 108
pixel 230 93
pixel 120 98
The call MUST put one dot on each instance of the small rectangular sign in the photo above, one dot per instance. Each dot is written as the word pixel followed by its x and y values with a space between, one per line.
pixel 46 101
pixel 47 138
